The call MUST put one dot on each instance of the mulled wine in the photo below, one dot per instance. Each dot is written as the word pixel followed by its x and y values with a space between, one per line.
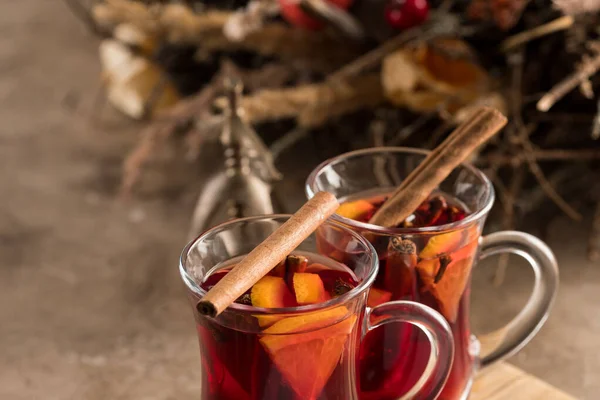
pixel 279 357
pixel 433 269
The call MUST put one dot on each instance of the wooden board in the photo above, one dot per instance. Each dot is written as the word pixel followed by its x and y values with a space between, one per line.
pixel 505 382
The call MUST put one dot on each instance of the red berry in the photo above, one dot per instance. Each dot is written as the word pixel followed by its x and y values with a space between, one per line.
pixel 404 14
pixel 293 13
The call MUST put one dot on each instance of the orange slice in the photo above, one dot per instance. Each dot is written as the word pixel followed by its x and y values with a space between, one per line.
pixel 355 209
pixel 307 348
pixel 377 297
pixel 449 289
pixel 443 243
pixel 271 292
pixel 309 288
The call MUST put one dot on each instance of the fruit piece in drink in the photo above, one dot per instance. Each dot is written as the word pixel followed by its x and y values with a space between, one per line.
pixel 309 289
pixel 271 292
pixel 358 209
pixel 307 348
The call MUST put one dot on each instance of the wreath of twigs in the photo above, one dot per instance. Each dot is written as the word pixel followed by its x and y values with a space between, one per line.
pixel 315 78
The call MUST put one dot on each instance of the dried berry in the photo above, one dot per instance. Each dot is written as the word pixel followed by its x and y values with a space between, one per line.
pixel 405 14
pixel 445 260
pixel 340 287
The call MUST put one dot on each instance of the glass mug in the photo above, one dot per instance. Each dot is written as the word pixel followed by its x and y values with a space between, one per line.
pixel 306 352
pixel 432 265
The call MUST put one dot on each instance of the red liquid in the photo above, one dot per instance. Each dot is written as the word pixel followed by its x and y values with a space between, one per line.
pixel 393 357
pixel 292 358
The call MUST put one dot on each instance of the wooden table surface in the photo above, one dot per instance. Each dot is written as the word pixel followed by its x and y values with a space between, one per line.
pixel 505 382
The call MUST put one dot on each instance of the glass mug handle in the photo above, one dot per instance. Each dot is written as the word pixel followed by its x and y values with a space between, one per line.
pixel 509 339
pixel 438 332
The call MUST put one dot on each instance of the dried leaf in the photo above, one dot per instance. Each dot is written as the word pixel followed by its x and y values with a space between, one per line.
pixel 133 36
pixel 134 85
pixel 441 73
pixel 399 74
pixel 448 66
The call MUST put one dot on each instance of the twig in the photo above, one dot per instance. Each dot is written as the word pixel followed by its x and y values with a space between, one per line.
pixel 195 109
pixel 304 49
pixel 207 127
pixel 272 75
pixel 537 172
pixel 154 96
pixel 559 24
pixel 442 25
pixel 334 16
pixel 175 22
pixel 249 18
pixel 587 68
pixel 286 141
pixel 521 136
pixel 312 104
pixel 179 116
pixel 510 201
pixel 568 178
pixel 594 241
pixel 540 156
pixel 405 132
pixel 85 15
pixel 378 128
pixel 570 118
pixel 516 61
pixel 502 191
pixel 437 135
pixel 596 123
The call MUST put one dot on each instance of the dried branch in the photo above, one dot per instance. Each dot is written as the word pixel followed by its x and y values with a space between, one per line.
pixel 442 25
pixel 407 131
pixel 596 123
pixel 249 19
pixel 521 133
pixel 508 222
pixel 594 240
pixel 588 67
pixel 537 172
pixel 570 178
pixel 288 140
pixel 175 22
pixel 193 114
pixel 180 117
pixel 312 104
pixel 208 127
pixel 272 75
pixel 501 159
pixel 301 48
pixel 179 24
pixel 559 24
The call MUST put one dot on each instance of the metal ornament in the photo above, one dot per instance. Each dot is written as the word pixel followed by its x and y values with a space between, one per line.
pixel 242 186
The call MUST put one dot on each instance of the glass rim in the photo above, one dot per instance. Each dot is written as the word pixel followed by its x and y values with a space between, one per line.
pixel 362 286
pixel 474 216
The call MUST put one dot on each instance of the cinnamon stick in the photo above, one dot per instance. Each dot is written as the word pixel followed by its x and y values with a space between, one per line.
pixel 483 124
pixel 268 254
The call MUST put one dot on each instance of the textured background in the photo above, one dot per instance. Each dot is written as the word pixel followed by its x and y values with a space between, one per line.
pixel 91 306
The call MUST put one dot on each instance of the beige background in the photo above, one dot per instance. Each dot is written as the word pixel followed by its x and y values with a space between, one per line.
pixel 91 306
